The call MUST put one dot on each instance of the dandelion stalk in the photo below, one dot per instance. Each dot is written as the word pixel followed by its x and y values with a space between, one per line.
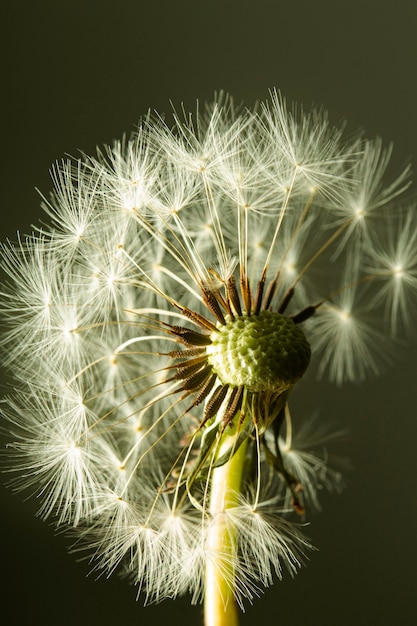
pixel 220 607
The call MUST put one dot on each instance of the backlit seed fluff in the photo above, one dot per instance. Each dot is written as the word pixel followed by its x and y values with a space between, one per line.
pixel 189 276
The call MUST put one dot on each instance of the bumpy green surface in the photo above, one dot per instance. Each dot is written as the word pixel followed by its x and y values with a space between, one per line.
pixel 262 352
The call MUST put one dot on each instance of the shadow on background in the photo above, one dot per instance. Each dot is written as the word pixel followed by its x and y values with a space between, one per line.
pixel 77 74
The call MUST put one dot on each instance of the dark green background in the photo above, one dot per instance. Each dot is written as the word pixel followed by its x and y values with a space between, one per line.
pixel 76 74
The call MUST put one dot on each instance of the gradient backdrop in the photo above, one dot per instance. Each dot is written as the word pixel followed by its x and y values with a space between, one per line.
pixel 80 73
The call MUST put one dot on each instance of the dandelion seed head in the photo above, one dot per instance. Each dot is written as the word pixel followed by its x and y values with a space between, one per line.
pixel 190 275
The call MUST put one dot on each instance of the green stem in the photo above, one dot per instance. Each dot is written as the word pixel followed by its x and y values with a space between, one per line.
pixel 220 608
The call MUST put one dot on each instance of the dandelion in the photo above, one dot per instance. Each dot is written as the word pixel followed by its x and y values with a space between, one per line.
pixel 157 327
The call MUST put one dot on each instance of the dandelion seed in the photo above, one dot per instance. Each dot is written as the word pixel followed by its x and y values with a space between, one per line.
pixel 158 327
